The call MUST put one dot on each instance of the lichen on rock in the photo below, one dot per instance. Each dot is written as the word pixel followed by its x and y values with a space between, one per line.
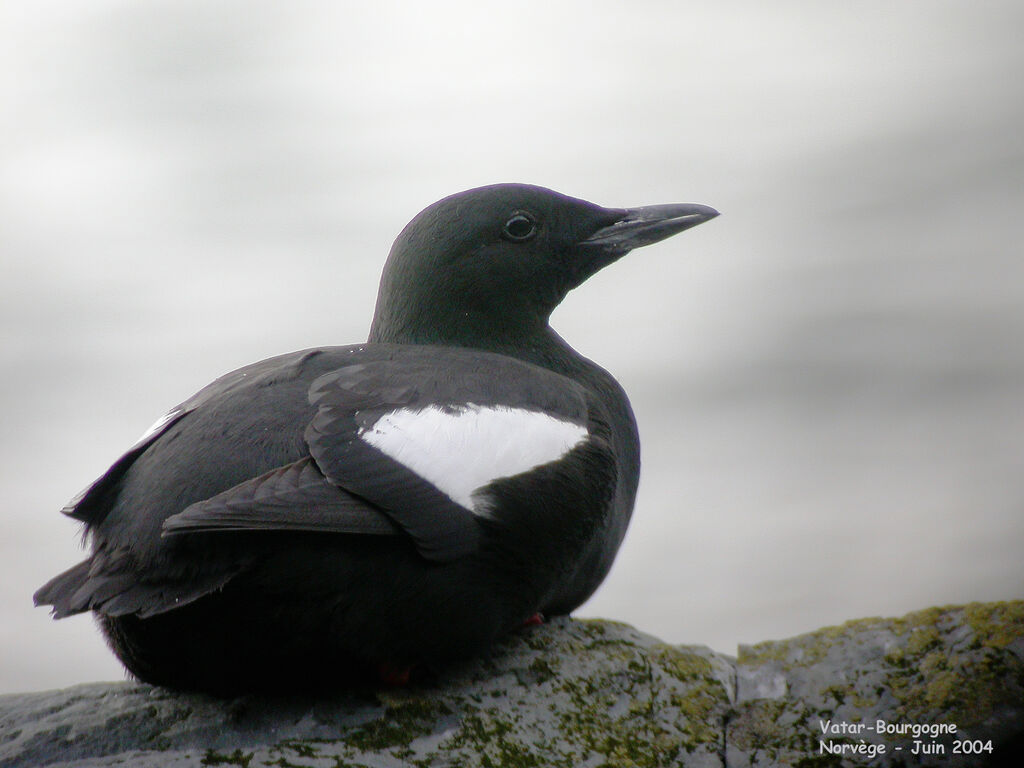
pixel 580 693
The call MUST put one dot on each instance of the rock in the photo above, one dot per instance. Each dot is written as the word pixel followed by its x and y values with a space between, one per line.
pixel 588 693
pixel 854 690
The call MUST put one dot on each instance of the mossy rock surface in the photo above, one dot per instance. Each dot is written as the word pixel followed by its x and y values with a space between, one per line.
pixel 578 693
pixel 935 676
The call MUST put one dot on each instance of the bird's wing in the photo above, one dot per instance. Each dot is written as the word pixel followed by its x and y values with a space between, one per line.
pixel 420 434
pixel 401 442
pixel 295 497
pixel 91 504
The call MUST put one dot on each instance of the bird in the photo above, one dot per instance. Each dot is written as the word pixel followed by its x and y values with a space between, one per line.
pixel 351 514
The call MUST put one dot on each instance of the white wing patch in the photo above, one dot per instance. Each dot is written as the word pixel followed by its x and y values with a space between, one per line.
pixel 461 449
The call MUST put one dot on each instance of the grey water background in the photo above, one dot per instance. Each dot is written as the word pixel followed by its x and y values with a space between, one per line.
pixel 829 378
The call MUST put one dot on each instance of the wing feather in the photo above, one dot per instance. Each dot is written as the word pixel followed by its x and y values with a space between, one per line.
pixel 295 497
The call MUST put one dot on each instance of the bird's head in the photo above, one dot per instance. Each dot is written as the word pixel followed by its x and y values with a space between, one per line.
pixel 489 265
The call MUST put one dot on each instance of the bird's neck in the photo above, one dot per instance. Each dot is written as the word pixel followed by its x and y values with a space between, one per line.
pixel 531 340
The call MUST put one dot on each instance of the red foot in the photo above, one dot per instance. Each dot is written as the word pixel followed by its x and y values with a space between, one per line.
pixel 392 676
pixel 534 621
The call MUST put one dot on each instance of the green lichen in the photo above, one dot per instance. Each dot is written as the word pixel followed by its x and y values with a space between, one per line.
pixel 923 619
pixel 300 747
pixel 809 649
pixel 652 728
pixel 284 762
pixel 932 672
pixel 235 758
pixel 542 670
pixel 684 667
pixel 929 676
pixel 838 694
pixel 922 640
pixel 403 721
pixel 996 625
pixel 775 730
pixel 491 734
pixel 703 698
pixel 637 705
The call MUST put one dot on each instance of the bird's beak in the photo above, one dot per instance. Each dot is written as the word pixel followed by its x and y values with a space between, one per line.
pixel 649 224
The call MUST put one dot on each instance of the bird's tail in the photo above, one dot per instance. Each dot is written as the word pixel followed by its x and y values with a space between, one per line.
pixel 60 591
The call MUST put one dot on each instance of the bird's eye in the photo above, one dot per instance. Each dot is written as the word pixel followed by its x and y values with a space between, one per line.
pixel 521 226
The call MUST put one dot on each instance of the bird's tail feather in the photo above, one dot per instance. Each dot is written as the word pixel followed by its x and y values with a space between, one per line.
pixel 117 593
pixel 59 591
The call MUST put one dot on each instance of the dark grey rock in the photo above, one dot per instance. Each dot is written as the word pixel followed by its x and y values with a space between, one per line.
pixel 583 693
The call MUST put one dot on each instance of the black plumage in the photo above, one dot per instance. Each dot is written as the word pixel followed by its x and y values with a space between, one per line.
pixel 329 513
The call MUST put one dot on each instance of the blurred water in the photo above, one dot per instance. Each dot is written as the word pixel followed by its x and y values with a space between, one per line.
pixel 828 378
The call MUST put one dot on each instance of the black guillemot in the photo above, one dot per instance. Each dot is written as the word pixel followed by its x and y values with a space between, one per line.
pixel 403 502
